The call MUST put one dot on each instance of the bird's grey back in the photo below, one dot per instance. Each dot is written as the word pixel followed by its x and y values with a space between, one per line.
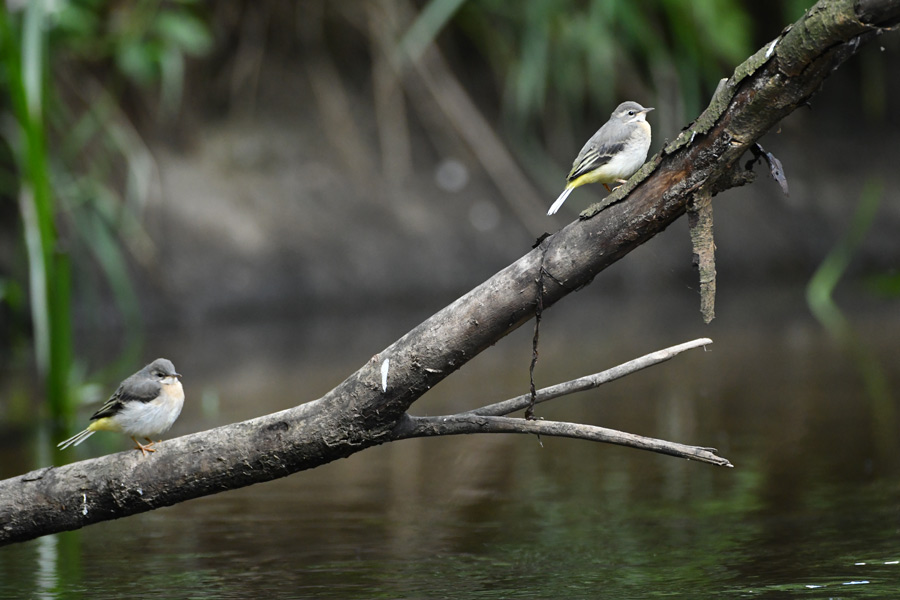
pixel 611 130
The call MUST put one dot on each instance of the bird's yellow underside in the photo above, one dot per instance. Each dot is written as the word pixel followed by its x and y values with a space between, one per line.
pixel 595 176
pixel 104 424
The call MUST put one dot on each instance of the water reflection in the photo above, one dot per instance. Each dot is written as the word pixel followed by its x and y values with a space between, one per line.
pixel 810 510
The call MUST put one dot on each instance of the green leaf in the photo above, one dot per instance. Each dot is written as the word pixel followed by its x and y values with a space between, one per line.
pixel 77 21
pixel 184 31
pixel 138 61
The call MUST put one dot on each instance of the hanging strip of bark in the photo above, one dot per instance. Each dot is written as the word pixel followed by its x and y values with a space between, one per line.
pixel 700 219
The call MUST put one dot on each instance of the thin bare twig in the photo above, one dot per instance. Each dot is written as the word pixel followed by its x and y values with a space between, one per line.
pixel 588 382
pixel 412 427
pixel 538 312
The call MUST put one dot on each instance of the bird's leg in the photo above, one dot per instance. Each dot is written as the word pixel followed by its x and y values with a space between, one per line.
pixel 142 447
pixel 607 188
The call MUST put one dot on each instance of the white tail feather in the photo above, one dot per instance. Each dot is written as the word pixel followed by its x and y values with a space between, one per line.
pixel 559 201
pixel 75 439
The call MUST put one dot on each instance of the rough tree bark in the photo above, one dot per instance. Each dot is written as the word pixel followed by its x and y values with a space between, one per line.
pixel 360 413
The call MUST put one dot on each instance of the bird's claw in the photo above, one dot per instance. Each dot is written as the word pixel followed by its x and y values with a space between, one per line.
pixel 144 448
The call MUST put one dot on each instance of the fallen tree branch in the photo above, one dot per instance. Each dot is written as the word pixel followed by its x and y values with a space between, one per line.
pixel 366 408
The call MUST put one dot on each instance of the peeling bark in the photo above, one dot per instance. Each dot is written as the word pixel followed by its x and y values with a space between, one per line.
pixel 700 217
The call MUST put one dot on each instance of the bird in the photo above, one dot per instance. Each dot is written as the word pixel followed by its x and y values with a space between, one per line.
pixel 613 154
pixel 144 405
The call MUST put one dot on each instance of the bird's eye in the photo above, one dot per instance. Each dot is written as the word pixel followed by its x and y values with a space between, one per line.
pixel 630 113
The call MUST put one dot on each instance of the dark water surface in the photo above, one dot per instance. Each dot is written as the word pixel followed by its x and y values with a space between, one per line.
pixel 811 509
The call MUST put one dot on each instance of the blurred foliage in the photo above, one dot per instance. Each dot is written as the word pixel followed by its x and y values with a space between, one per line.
pixel 886 285
pixel 820 289
pixel 146 41
pixel 23 63
pixel 820 298
pixel 82 172
pixel 595 52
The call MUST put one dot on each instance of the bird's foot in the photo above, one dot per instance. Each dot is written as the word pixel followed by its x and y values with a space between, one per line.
pixel 620 183
pixel 144 448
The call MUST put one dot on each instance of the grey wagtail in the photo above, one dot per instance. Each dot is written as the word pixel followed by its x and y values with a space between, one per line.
pixel 613 154
pixel 144 405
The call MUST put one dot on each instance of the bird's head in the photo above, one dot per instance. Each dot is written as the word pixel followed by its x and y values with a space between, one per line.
pixel 630 112
pixel 162 370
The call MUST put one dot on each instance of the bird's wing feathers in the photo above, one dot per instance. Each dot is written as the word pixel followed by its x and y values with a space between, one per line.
pixel 608 141
pixel 130 391
pixel 593 157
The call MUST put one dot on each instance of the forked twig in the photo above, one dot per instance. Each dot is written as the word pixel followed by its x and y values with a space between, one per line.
pixel 490 419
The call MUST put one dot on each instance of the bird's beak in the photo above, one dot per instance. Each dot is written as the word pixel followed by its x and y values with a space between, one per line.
pixel 178 375
pixel 646 110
